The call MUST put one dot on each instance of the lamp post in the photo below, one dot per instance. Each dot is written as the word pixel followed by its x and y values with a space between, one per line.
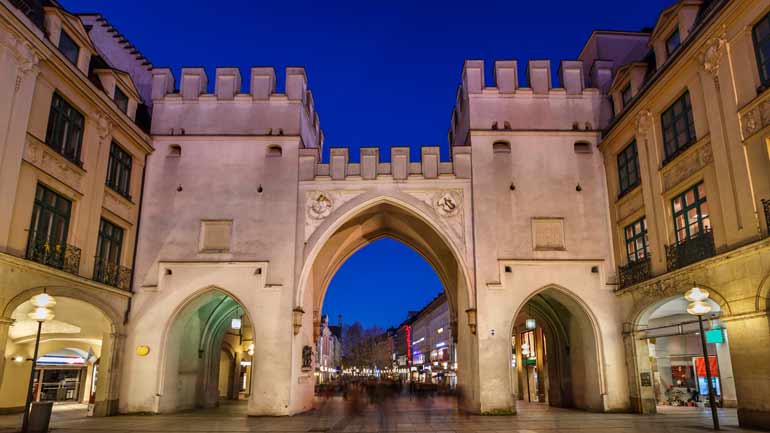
pixel 42 313
pixel 699 307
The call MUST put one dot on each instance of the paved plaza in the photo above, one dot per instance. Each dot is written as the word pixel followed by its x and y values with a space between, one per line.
pixel 402 415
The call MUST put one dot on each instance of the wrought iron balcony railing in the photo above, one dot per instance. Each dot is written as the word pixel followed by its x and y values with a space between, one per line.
pixel 634 272
pixel 766 207
pixel 53 252
pixel 689 251
pixel 112 273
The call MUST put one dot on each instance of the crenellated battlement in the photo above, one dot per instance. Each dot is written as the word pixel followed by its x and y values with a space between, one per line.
pixel 573 77
pixel 260 111
pixel 506 105
pixel 372 167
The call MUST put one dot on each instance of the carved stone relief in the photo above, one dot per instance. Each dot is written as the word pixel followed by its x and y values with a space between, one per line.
pixel 26 58
pixel 643 123
pixel 448 206
pixel 755 119
pixel 687 166
pixel 46 159
pixel 548 234
pixel 320 204
pixel 103 126
pixel 711 56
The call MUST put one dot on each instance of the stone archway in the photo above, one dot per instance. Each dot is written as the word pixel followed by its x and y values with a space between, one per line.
pixel 192 345
pixel 567 352
pixel 366 220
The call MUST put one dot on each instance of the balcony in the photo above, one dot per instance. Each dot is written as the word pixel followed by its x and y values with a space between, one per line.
pixel 43 249
pixel 112 274
pixel 634 272
pixel 689 251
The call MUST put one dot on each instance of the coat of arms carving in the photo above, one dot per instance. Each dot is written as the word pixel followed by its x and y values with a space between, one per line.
pixel 320 206
pixel 447 204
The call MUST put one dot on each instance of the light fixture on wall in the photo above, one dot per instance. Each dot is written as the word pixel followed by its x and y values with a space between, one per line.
pixel 235 323
pixel 471 312
pixel 530 324
pixel 250 349
pixel 298 313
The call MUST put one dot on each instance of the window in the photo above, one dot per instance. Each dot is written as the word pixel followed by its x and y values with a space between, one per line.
pixel 628 168
pixel 625 95
pixel 691 216
pixel 582 147
pixel 636 240
pixel 69 48
pixel 672 43
pixel 761 36
pixel 48 229
pixel 119 170
pixel 108 249
pixel 65 129
pixel 121 100
pixel 678 127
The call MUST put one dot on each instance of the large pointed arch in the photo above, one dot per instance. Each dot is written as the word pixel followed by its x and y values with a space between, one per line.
pixel 400 217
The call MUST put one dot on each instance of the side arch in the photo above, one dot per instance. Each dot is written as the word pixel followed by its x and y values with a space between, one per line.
pixel 67 292
pixel 762 302
pixel 202 354
pixel 594 390
pixel 649 304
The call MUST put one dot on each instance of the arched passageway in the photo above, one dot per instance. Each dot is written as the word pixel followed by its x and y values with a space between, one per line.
pixel 394 219
pixel 76 356
pixel 554 356
pixel 208 353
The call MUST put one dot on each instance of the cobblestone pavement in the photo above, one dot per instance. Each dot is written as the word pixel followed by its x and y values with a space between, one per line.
pixel 401 416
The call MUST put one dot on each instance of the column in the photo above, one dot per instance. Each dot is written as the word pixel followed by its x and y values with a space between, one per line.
pixel 108 377
pixel 18 67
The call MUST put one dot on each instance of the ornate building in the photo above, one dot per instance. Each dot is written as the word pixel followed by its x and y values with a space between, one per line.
pixel 73 144
pixel 687 171
pixel 328 350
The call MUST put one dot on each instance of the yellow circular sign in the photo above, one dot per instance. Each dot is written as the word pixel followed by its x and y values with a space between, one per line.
pixel 142 350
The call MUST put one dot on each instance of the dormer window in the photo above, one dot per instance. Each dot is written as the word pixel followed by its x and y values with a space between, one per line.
pixel 672 43
pixel 69 48
pixel 121 100
pixel 625 95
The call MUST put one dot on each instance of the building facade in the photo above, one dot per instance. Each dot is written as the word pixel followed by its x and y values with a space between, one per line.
pixel 329 350
pixel 687 171
pixel 433 349
pixel 565 228
pixel 73 144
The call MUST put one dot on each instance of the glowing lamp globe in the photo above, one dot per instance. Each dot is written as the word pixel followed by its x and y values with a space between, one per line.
pixel 41 314
pixel 696 294
pixel 43 300
pixel 698 308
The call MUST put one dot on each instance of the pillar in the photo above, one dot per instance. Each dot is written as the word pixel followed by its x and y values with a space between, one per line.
pixel 749 352
pixel 108 377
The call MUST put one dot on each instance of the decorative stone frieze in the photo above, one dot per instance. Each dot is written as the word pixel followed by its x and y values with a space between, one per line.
pixel 47 160
pixel 26 58
pixel 688 165
pixel 755 118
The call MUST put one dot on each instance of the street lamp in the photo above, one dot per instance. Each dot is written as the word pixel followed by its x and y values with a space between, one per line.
pixel 42 302
pixel 698 307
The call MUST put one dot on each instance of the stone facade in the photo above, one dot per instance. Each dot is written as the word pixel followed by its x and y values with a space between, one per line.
pixel 242 218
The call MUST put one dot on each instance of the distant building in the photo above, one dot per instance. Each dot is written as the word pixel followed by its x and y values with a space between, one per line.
pixel 430 356
pixel 329 350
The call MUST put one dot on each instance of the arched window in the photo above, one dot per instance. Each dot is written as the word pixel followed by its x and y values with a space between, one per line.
pixel 501 147
pixel 174 150
pixel 274 150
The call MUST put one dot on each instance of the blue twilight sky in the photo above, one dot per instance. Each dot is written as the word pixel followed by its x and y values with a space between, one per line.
pixel 382 74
